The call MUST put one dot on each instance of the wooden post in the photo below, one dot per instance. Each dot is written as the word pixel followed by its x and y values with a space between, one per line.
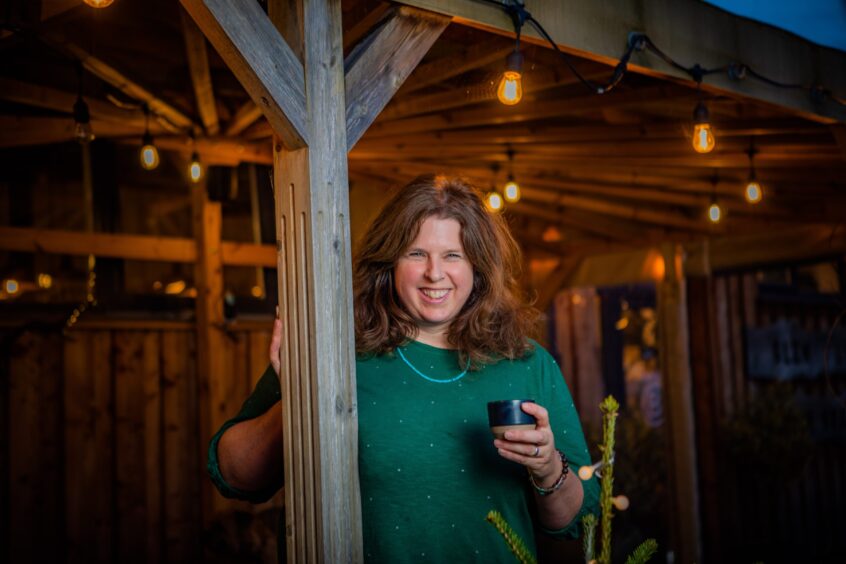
pixel 322 502
pixel 677 381
pixel 214 405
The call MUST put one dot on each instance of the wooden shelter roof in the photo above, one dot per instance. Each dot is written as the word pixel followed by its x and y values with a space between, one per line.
pixel 598 173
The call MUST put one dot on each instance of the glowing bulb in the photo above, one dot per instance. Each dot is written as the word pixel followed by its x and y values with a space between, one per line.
pixel 511 192
pixel 510 89
pixel 45 281
pixel 149 153
pixel 99 3
pixel 176 287
pixel 753 192
pixel 494 201
pixel 715 213
pixel 257 292
pixel 621 502
pixel 585 473
pixel 11 286
pixel 703 138
pixel 195 170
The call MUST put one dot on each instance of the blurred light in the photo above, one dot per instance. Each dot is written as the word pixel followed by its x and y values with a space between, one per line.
pixel 585 473
pixel 11 286
pixel 621 502
pixel 753 192
pixel 157 286
pixel 149 153
pixel 511 192
pixel 715 214
pixel 195 170
pixel 551 235
pixel 622 323
pixel 99 3
pixel 175 287
pixel 493 201
pixel 45 281
pixel 703 138
pixel 658 268
pixel 257 291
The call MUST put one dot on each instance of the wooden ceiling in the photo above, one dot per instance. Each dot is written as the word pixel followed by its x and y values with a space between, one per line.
pixel 597 172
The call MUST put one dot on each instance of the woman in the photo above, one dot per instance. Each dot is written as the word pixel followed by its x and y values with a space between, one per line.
pixel 440 331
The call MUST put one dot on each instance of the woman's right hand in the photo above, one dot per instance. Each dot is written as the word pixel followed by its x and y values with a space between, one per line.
pixel 276 345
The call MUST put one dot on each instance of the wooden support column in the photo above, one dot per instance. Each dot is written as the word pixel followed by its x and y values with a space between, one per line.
pixel 322 502
pixel 678 402
pixel 214 405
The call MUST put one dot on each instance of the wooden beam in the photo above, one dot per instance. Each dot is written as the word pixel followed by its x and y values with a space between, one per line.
pixel 775 246
pixel 365 25
pixel 19 131
pixel 322 499
pixel 676 376
pixel 109 74
pixel 198 65
pixel 470 58
pixel 266 66
pixel 244 117
pixel 691 32
pixel 211 361
pixel 129 247
pixel 379 65
pixel 52 99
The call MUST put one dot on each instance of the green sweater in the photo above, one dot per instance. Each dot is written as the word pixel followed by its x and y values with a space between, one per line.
pixel 429 471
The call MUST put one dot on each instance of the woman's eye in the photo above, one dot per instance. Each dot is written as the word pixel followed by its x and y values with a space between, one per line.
pixel 453 256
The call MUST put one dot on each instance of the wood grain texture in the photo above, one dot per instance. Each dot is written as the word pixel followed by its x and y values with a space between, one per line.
pixel 198 65
pixel 261 60
pixel 678 388
pixel 378 66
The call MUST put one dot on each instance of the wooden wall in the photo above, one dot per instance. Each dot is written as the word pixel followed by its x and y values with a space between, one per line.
pixel 748 517
pixel 103 458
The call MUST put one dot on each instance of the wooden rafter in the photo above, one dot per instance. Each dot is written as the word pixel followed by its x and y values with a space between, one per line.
pixel 455 64
pixel 118 79
pixel 380 64
pixel 198 65
pixel 244 117
pixel 262 61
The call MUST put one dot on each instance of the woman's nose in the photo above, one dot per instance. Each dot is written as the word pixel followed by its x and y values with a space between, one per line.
pixel 433 270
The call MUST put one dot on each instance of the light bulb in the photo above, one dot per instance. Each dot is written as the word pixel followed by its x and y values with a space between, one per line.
pixel 753 192
pixel 195 170
pixel 586 473
pixel 621 502
pixel 703 138
pixel 11 286
pixel 45 280
pixel 149 153
pixel 493 201
pixel 715 214
pixel 510 89
pixel 82 131
pixel 511 192
pixel 99 3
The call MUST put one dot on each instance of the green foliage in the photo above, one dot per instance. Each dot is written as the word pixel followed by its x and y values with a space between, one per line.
pixel 515 543
pixel 609 408
pixel 589 531
pixel 643 553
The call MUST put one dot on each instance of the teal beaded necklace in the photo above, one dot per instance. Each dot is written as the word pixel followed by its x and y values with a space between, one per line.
pixel 429 378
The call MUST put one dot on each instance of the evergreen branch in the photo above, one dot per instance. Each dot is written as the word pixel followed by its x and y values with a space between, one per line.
pixel 643 552
pixel 512 539
pixel 589 542
pixel 609 408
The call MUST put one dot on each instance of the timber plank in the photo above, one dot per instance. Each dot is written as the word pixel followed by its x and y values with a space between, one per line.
pixel 89 473
pixel 150 374
pixel 181 468
pixel 130 478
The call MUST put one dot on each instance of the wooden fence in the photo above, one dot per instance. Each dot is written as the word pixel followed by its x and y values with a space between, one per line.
pixel 748 516
pixel 102 460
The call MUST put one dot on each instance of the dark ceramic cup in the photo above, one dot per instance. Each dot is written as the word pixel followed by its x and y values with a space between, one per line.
pixel 506 415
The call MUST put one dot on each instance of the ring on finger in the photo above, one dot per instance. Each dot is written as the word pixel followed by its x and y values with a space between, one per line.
pixel 537 452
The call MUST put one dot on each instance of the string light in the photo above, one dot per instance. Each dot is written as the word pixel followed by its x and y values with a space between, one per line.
pixel 149 153
pixel 621 502
pixel 99 3
pixel 753 192
pixel 195 169
pixel 587 472
pixel 703 138
pixel 82 131
pixel 715 213
pixel 511 190
pixel 493 201
pixel 45 281
pixel 11 286
pixel 510 90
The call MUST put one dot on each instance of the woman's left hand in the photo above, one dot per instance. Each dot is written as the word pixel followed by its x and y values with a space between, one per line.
pixel 533 449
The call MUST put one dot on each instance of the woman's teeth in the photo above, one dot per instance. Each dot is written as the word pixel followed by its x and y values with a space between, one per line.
pixel 434 294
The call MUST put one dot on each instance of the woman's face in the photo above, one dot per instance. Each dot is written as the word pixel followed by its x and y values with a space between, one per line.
pixel 433 278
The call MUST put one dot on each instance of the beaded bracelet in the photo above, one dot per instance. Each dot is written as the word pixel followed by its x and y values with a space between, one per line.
pixel 565 469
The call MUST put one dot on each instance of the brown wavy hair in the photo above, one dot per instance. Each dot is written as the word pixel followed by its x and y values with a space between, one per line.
pixel 493 324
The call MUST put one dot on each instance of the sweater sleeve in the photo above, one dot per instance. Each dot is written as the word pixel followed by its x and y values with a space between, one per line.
pixel 569 438
pixel 265 395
